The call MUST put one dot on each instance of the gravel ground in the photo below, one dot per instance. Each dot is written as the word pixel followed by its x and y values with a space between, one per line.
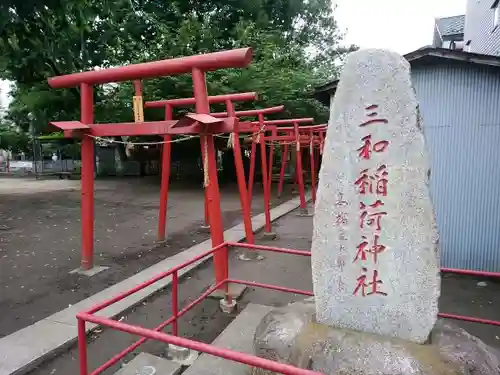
pixel 40 238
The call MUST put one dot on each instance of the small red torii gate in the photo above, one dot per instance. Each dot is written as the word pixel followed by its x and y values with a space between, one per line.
pixel 168 105
pixel 260 128
pixel 200 123
pixel 249 127
pixel 275 128
pixel 309 139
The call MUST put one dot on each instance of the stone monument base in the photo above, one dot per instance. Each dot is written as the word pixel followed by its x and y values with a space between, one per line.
pixel 290 335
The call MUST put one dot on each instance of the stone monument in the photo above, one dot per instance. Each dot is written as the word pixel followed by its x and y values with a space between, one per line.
pixel 374 253
pixel 375 262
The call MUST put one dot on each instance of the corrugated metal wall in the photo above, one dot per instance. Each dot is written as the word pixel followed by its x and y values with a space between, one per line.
pixel 460 106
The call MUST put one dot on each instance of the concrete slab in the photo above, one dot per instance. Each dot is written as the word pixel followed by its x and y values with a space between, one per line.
pixel 235 291
pixel 241 226
pixel 181 356
pixel 26 348
pixel 250 255
pixel 238 336
pixel 269 235
pixel 91 272
pixel 228 307
pixel 147 364
pixel 306 212
pixel 21 351
pixel 205 228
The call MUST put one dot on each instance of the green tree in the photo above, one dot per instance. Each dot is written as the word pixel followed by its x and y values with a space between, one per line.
pixel 15 141
pixel 295 43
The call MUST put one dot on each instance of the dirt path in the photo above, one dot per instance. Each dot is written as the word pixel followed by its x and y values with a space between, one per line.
pixel 460 295
pixel 40 238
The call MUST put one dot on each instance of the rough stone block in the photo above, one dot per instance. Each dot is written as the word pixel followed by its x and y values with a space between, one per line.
pixel 91 272
pixel 290 335
pixel 374 259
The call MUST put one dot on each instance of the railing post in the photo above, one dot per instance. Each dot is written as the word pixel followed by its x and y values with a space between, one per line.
pixel 175 303
pixel 82 347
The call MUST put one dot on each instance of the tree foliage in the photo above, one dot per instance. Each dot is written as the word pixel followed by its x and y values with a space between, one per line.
pixel 15 141
pixel 295 43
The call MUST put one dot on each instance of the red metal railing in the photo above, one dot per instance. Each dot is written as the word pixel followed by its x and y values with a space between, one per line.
pixel 145 333
pixel 156 334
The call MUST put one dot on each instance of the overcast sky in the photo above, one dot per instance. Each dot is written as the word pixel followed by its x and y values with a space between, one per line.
pixel 402 25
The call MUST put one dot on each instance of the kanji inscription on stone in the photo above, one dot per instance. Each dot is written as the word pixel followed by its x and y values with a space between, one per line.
pixel 373 202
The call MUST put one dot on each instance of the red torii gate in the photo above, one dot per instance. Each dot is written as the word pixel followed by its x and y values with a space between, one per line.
pixel 309 140
pixel 272 125
pixel 250 128
pixel 263 127
pixel 199 123
pixel 275 129
pixel 168 106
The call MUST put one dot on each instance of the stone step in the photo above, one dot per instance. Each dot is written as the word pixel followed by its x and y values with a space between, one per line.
pixel 147 364
pixel 237 336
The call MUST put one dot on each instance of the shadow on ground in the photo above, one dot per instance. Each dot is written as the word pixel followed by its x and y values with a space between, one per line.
pixel 40 239
pixel 460 295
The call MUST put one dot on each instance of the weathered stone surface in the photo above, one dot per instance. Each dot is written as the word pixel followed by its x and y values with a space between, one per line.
pixel 374 225
pixel 459 346
pixel 276 333
pixel 290 335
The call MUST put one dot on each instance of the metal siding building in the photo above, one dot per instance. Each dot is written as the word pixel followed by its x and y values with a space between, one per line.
pixel 461 112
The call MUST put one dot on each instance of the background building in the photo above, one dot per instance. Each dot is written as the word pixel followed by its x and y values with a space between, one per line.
pixel 457 82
